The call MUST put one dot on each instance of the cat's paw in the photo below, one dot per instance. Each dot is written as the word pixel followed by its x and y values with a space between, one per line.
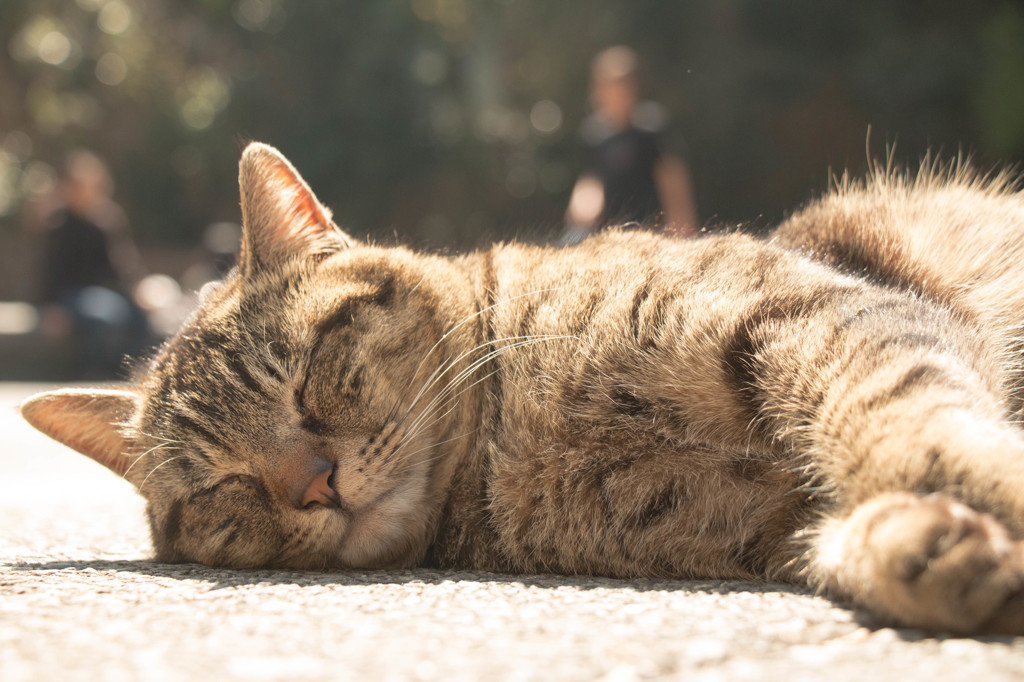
pixel 928 562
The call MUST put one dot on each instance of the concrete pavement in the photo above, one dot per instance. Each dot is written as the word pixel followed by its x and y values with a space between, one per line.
pixel 80 600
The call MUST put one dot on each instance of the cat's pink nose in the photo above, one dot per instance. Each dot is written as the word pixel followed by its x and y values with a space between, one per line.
pixel 306 479
pixel 320 490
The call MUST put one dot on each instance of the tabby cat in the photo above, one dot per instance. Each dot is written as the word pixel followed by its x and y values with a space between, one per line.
pixel 837 405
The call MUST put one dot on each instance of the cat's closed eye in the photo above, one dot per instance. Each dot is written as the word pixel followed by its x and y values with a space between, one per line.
pixel 240 479
pixel 313 425
pixel 310 421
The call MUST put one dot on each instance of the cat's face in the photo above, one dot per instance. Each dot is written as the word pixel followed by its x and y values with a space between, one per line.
pixel 285 425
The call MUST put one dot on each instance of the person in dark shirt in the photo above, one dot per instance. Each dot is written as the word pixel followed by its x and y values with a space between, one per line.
pixel 632 177
pixel 77 256
pixel 87 273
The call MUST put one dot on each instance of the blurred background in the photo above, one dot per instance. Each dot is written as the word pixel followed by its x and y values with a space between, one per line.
pixel 449 124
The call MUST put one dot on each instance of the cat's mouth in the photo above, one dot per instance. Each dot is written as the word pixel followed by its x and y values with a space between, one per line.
pixel 377 528
pixel 323 492
pixel 367 508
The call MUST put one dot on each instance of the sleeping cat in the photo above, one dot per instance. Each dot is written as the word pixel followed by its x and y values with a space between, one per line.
pixel 836 405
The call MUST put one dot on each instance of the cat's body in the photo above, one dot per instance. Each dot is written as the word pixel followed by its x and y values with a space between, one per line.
pixel 633 406
pixel 595 461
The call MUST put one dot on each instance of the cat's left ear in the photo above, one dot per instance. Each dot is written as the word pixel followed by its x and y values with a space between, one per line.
pixel 91 421
pixel 281 217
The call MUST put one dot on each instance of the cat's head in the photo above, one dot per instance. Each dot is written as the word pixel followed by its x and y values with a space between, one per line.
pixel 295 419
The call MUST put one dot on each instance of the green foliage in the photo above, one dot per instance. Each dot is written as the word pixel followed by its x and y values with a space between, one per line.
pixel 1000 98
pixel 412 117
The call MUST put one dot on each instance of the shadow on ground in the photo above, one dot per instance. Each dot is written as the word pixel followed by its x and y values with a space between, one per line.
pixel 237 577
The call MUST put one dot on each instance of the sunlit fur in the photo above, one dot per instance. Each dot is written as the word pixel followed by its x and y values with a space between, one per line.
pixel 836 404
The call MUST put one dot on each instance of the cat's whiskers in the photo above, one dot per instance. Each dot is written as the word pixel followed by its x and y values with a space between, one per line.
pixel 429 382
pixel 470 318
pixel 443 369
pixel 469 371
pixel 450 404
pixel 416 286
pixel 437 456
pixel 166 440
pixel 411 435
pixel 158 446
pixel 169 459
pixel 450 401
pixel 430 412
pixel 463 374
pixel 446 401
pixel 449 364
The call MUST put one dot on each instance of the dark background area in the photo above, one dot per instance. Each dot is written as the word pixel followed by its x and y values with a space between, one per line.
pixel 412 118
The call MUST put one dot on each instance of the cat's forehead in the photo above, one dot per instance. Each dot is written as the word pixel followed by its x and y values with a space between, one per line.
pixel 261 324
pixel 209 365
pixel 304 282
pixel 238 307
pixel 243 328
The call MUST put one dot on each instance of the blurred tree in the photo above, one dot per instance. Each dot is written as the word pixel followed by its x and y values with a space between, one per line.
pixel 452 122
pixel 1000 96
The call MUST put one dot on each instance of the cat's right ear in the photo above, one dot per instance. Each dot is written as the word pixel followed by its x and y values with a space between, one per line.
pixel 88 420
pixel 281 217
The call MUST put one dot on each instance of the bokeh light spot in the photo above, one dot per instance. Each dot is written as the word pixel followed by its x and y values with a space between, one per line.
pixel 18 144
pixel 111 69
pixel 204 95
pixel 8 177
pixel 17 318
pixel 38 179
pixel 157 291
pixel 54 48
pixel 546 117
pixel 114 18
pixel 253 15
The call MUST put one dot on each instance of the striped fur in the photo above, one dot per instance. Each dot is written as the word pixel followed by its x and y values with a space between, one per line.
pixel 837 404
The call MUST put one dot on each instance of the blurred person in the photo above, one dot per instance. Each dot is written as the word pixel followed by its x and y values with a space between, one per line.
pixel 89 268
pixel 632 177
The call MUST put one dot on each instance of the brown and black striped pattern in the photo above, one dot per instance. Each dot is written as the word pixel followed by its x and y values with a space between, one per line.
pixel 633 406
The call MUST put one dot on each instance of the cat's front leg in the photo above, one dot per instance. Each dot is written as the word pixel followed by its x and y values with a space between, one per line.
pixel 880 392
pixel 924 561
pixel 927 482
pixel 897 409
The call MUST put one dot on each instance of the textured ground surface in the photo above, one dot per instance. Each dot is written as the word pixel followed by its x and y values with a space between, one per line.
pixel 79 600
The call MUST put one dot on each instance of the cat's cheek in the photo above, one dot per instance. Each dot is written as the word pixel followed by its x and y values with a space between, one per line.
pixel 390 534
